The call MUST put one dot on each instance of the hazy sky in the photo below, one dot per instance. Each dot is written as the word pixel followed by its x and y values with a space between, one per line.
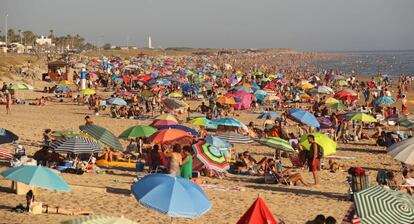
pixel 300 24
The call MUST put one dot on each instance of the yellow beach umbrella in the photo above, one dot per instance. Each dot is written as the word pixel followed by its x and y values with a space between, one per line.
pixel 304 96
pixel 307 86
pixel 363 117
pixel 175 95
pixel 225 100
pixel 331 101
pixel 87 92
pixel 328 145
pixel 65 82
pixel 166 117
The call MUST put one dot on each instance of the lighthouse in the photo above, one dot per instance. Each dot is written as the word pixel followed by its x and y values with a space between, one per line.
pixel 149 42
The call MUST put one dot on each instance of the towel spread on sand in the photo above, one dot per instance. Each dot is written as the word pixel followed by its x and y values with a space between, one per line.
pixel 221 188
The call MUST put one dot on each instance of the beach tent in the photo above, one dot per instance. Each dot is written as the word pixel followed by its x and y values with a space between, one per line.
pixel 258 213
pixel 243 100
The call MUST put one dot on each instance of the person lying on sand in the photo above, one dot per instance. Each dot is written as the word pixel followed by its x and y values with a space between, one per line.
pixel 30 199
pixel 287 174
pixel 247 164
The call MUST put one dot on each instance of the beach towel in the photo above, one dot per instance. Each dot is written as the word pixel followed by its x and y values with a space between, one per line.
pixel 222 188
pixel 351 216
pixel 5 154
pixel 340 157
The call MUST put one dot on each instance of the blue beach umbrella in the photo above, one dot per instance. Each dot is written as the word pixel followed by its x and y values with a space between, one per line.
pixel 383 100
pixel 304 117
pixel 117 101
pixel 171 195
pixel 38 176
pixel 62 89
pixel 266 114
pixel 227 121
pixel 217 142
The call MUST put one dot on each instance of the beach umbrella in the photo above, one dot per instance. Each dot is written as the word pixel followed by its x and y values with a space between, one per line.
pixel 306 86
pixel 201 121
pixel 342 83
pixel 225 100
pixel 359 116
pixel 227 121
pixel 324 122
pixel 377 205
pixel 174 103
pixel 175 95
pixel 331 100
pixel 403 151
pixel 211 156
pixel 117 101
pixel 158 123
pixel 217 142
pixel 102 135
pixel 303 117
pixel 99 219
pixel 277 143
pixel 258 213
pixel 266 114
pixel 167 136
pixel 406 123
pixel 7 136
pixel 234 138
pixel 328 145
pixel 38 176
pixel 18 86
pixel 62 89
pixel 180 127
pixel 243 88
pixel 304 96
pixel 87 92
pixel 137 131
pixel 171 195
pixel 147 93
pixel 76 145
pixel 322 90
pixel 5 154
pixel 166 117
pixel 338 106
pixel 383 100
pixel 65 82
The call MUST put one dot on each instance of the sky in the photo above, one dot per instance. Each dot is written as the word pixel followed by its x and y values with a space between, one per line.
pixel 306 25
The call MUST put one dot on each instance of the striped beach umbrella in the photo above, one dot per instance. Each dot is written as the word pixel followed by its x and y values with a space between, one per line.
pixel 234 138
pixel 102 135
pixel 5 154
pixel 211 156
pixel 277 143
pixel 76 145
pixel 376 205
pixel 99 219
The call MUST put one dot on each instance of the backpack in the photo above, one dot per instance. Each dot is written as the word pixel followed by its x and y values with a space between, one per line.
pixel 320 152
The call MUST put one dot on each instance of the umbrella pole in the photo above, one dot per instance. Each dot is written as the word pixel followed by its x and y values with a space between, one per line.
pixel 171 220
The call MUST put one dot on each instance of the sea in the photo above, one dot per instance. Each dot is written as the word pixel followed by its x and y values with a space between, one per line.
pixel 368 63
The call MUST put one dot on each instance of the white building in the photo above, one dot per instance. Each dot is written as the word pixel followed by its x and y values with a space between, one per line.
pixel 149 42
pixel 44 41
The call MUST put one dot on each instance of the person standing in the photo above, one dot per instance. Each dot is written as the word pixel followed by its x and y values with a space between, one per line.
pixel 8 102
pixel 313 159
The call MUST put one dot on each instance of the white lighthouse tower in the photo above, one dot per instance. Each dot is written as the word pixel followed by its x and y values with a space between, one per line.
pixel 149 42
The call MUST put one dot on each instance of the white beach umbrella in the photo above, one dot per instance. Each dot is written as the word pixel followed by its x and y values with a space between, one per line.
pixel 403 151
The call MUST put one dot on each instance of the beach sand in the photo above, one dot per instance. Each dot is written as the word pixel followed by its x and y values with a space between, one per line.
pixel 106 194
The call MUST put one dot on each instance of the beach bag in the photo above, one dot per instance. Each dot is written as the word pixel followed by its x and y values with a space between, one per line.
pixel 320 152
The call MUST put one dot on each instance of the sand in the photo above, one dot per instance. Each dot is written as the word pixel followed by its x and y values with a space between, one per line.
pixel 292 204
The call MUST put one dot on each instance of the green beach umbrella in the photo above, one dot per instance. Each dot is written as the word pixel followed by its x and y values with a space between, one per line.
pixel 277 143
pixel 376 205
pixel 102 135
pixel 338 106
pixel 363 117
pixel 328 145
pixel 19 86
pixel 38 176
pixel 99 220
pixel 137 131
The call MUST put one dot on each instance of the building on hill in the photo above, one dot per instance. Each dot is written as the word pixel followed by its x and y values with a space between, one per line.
pixel 42 40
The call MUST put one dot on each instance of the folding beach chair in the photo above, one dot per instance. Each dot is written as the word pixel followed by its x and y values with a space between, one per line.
pixel 297 161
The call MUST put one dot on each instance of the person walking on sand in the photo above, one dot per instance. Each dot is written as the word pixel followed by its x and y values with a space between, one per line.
pixel 313 159
pixel 8 102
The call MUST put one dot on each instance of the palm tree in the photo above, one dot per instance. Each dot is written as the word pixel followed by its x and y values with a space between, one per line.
pixel 50 33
